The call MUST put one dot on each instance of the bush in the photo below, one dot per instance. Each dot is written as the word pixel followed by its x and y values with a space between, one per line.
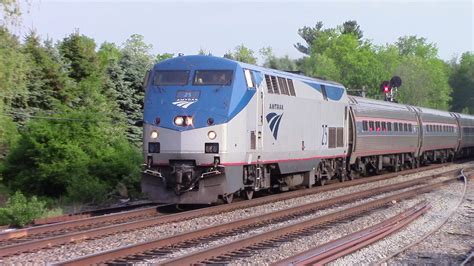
pixel 19 211
pixel 81 159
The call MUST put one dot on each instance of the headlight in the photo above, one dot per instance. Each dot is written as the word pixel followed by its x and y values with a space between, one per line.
pixel 211 135
pixel 154 134
pixel 189 120
pixel 179 120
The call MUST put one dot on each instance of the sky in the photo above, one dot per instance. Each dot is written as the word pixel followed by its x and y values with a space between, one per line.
pixel 219 26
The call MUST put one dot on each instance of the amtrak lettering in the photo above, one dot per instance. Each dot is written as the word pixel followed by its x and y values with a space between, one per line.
pixel 276 106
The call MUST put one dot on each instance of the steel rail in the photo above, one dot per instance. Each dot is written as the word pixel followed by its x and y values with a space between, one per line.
pixel 263 219
pixel 76 236
pixel 463 176
pixel 91 213
pixel 209 254
pixel 340 247
pixel 43 229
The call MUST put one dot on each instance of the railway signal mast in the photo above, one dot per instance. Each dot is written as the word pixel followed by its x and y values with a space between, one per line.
pixel 390 88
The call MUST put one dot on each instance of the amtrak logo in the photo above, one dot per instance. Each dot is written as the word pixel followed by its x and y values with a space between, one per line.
pixel 273 120
pixel 183 104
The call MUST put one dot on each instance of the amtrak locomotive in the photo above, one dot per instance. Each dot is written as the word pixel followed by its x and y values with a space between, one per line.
pixel 216 128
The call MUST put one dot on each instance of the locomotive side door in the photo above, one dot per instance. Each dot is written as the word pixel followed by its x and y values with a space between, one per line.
pixel 260 118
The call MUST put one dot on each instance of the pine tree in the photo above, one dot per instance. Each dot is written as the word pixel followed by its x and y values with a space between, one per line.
pixel 136 61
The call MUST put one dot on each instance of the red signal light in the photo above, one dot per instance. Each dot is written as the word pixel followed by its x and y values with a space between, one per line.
pixel 386 89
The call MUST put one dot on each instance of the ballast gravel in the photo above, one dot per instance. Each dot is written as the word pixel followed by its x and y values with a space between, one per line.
pixel 440 201
pixel 83 248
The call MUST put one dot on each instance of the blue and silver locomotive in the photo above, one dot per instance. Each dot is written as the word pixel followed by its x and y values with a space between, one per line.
pixel 216 128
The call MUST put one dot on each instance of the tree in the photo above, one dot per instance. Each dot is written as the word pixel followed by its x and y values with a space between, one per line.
pixel 412 45
pixel 242 54
pixel 13 77
pixel 462 81
pixel 162 57
pixel 108 53
pixel 281 63
pixel 83 155
pixel 136 61
pixel 425 82
pixel 309 35
pixel 351 27
pixel 80 55
pixel 46 79
pixel 9 12
pixel 346 59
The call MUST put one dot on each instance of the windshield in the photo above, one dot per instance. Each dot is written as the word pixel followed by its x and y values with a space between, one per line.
pixel 213 77
pixel 171 77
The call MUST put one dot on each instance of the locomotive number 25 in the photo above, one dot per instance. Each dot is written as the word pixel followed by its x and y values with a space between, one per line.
pixel 324 135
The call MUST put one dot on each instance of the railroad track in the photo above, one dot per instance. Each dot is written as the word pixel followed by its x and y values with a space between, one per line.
pixel 345 245
pixel 45 236
pixel 91 213
pixel 223 253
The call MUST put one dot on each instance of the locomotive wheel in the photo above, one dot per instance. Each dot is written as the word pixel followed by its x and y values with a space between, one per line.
pixel 353 175
pixel 248 194
pixel 228 198
pixel 322 181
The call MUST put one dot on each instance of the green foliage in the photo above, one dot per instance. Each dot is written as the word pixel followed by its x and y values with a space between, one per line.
pixel 79 53
pixel 52 158
pixel 47 81
pixel 351 27
pixel 136 61
pixel 9 12
pixel 425 82
pixel 162 57
pixel 309 35
pixel 280 63
pixel 342 55
pixel 242 54
pixel 19 211
pixel 13 79
pixel 414 46
pixel 462 81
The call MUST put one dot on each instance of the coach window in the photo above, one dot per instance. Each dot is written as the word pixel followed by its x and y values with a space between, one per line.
pixel 377 126
pixel 249 78
pixel 389 126
pixel 365 127
pixel 371 125
pixel 395 126
pixel 410 127
pixel 405 127
pixel 384 126
pixel 400 126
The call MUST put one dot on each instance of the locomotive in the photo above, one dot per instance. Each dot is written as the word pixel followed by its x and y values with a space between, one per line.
pixel 216 128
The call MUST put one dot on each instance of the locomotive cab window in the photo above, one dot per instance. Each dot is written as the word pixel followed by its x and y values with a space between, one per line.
pixel 171 77
pixel 213 77
pixel 249 78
